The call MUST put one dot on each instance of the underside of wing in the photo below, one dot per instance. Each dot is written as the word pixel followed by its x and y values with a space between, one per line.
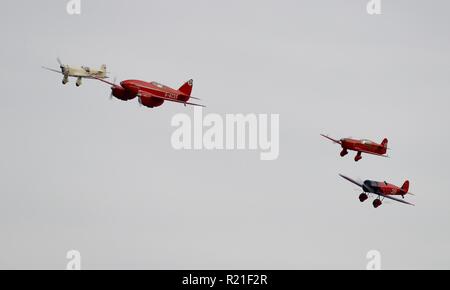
pixel 374 153
pixel 102 80
pixel 95 76
pixel 351 180
pixel 396 199
pixel 331 139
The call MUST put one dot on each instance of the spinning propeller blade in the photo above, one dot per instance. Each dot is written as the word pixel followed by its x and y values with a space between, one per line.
pixel 112 87
pixel 64 68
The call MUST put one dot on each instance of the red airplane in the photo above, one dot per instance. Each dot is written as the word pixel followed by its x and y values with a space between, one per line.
pixel 361 146
pixel 382 190
pixel 151 94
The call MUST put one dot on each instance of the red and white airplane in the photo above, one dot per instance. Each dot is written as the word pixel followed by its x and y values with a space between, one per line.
pixel 382 190
pixel 361 146
pixel 151 94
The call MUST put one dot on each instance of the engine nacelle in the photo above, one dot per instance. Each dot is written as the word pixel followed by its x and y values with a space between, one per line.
pixel 377 203
pixel 363 197
pixel 150 102
pixel 122 94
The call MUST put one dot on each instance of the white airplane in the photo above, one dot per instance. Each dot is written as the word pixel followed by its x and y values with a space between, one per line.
pixel 79 72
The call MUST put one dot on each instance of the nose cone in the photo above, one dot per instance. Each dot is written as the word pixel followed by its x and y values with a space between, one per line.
pixel 367 186
pixel 125 84
pixel 130 86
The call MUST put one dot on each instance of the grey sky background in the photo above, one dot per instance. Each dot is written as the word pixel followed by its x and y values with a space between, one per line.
pixel 79 171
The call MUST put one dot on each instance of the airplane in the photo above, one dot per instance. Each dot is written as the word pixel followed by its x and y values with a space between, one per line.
pixel 361 146
pixel 151 94
pixel 78 72
pixel 382 190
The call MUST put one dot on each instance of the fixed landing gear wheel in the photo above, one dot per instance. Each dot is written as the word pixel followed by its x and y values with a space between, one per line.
pixel 344 152
pixel 363 197
pixel 377 203
pixel 358 157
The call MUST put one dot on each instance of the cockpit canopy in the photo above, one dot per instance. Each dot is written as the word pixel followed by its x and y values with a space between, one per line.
pixel 367 142
pixel 158 85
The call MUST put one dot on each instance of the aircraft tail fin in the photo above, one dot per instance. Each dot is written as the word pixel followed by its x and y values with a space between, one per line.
pixel 186 89
pixel 103 68
pixel 405 186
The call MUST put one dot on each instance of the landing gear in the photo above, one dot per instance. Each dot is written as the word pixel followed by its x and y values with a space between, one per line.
pixel 65 80
pixel 363 197
pixel 377 203
pixel 78 82
pixel 344 152
pixel 358 156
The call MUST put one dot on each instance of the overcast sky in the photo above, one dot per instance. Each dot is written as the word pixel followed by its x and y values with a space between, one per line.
pixel 80 171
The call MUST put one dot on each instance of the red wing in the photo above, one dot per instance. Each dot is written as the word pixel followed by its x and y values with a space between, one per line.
pixel 146 94
pixel 329 138
pixel 373 153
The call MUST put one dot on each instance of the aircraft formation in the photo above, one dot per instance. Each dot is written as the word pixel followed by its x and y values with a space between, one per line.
pixel 382 190
pixel 149 94
pixel 154 94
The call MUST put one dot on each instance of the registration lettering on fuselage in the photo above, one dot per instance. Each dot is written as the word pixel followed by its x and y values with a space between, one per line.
pixel 171 95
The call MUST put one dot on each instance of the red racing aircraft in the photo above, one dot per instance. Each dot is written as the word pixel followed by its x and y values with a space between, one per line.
pixel 361 146
pixel 381 189
pixel 151 94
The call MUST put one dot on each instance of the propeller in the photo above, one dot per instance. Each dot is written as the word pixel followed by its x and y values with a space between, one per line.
pixel 62 66
pixel 111 94
pixel 139 100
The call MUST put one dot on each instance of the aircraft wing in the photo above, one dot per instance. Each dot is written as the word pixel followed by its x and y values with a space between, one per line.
pixel 329 138
pixel 374 153
pixel 51 69
pixel 146 94
pixel 102 80
pixel 351 180
pixel 396 199
pixel 94 76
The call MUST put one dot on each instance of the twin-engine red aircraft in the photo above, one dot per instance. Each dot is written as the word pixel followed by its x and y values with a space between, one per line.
pixel 361 146
pixel 382 190
pixel 151 94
